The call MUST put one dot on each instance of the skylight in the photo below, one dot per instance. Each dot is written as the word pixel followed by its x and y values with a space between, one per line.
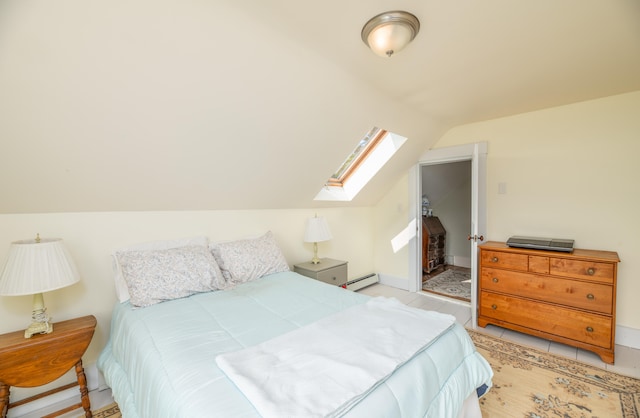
pixel 371 153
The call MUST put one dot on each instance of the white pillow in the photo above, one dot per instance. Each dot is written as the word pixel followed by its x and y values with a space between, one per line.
pixel 155 276
pixel 249 259
pixel 122 291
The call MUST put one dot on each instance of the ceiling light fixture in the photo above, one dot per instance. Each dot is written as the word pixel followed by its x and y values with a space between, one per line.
pixel 388 33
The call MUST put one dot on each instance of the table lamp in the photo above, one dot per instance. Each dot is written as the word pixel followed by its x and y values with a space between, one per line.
pixel 34 267
pixel 317 230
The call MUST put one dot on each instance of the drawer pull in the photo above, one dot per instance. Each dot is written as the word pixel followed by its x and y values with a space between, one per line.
pixel 591 271
pixel 590 296
pixel 494 306
pixel 494 259
pixel 589 329
pixel 495 280
pixel 334 278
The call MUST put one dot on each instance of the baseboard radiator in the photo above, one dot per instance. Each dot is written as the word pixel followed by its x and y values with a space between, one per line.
pixel 364 281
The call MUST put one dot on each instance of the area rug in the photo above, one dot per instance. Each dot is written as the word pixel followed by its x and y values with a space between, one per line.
pixel 109 411
pixel 452 282
pixel 533 383
pixel 536 384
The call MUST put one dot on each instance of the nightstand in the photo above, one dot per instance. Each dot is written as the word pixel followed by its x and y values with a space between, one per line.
pixel 43 358
pixel 328 270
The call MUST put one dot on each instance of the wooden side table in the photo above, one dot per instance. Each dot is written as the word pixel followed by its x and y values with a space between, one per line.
pixel 43 358
pixel 328 270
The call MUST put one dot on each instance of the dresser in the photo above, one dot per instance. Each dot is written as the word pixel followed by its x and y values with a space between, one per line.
pixel 565 297
pixel 433 243
pixel 327 270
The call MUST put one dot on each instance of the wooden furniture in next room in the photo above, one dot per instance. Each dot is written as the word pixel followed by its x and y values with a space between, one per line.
pixel 565 297
pixel 328 270
pixel 433 243
pixel 43 358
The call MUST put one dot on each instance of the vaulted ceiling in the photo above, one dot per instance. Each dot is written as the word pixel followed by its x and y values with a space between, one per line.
pixel 251 104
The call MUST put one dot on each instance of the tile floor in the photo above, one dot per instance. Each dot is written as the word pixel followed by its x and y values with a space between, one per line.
pixel 627 360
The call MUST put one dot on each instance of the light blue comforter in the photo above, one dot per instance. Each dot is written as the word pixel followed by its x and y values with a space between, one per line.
pixel 160 360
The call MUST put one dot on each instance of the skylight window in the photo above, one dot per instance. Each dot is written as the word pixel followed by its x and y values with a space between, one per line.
pixel 370 155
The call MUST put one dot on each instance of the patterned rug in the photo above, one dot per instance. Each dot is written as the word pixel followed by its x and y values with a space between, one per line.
pixel 452 282
pixel 110 411
pixel 535 384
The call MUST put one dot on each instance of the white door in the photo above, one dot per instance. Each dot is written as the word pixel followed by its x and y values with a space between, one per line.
pixel 477 154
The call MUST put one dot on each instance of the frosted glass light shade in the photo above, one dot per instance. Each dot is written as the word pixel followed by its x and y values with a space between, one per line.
pixel 317 230
pixel 37 266
pixel 390 32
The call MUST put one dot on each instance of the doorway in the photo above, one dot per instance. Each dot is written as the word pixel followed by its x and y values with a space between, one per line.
pixel 446 222
pixel 476 153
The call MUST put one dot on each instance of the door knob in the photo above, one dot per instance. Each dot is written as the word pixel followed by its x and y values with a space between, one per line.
pixel 475 238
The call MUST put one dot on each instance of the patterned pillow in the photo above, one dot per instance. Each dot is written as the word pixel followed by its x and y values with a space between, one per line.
pixel 249 259
pixel 122 289
pixel 155 276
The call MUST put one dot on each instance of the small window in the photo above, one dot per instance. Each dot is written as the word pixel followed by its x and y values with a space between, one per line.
pixel 355 159
pixel 371 153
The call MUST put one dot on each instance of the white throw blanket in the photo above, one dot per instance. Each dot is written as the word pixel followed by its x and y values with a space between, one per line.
pixel 326 367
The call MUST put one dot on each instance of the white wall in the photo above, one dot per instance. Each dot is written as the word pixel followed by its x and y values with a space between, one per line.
pixel 570 172
pixel 91 237
pixel 454 211
pixel 448 186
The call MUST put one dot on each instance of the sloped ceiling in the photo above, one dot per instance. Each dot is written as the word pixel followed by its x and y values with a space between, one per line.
pixel 251 104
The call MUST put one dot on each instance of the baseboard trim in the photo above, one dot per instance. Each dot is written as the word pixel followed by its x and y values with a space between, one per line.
pixel 461 261
pixel 629 337
pixel 397 282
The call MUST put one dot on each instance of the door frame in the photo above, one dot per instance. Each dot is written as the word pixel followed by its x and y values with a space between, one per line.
pixel 477 154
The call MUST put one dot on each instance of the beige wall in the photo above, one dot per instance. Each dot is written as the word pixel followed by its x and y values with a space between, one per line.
pixel 570 172
pixel 138 105
pixel 391 216
pixel 91 237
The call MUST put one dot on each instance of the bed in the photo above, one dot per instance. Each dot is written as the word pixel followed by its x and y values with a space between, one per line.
pixel 163 359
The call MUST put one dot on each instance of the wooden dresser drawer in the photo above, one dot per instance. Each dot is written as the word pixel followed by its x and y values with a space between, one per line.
pixel 580 326
pixel 538 264
pixel 588 270
pixel 505 260
pixel 590 296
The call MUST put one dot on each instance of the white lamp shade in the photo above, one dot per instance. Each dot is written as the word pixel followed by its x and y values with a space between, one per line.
pixel 37 266
pixel 317 230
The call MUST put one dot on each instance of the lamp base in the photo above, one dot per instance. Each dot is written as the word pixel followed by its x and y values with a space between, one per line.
pixel 38 328
pixel 39 319
pixel 315 259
